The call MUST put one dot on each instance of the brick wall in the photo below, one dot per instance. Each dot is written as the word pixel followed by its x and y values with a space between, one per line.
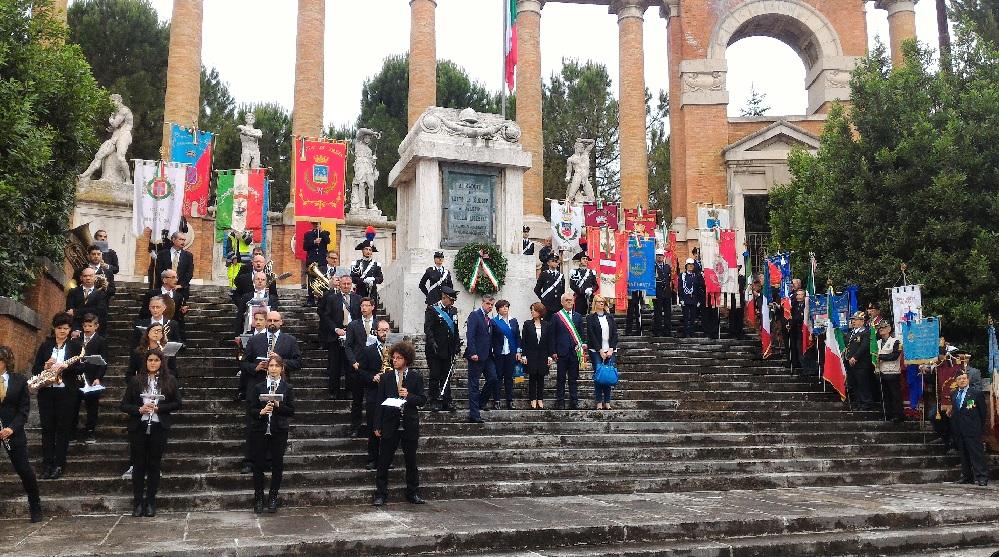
pixel 24 325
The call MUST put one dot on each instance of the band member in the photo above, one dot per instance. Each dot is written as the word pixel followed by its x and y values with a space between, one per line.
pixel 152 339
pixel 316 244
pixel 583 282
pixel 259 326
pixel 889 370
pixel 479 353
pixel 157 315
pixel 373 359
pixel 15 406
pixel 662 306
pixel 176 258
pixel 87 298
pixel 93 344
pixel 358 332
pixel 691 294
pixel 149 419
pixel 859 368
pixel 395 425
pixel 108 257
pixel 601 332
pixel 102 268
pixel 328 268
pixel 366 272
pixel 244 280
pixel 269 426
pixel 526 244
pixel 506 347
pixel 969 418
pixel 57 401
pixel 567 349
pixel 535 355
pixel 173 296
pixel 440 326
pixel 338 307
pixel 550 286
pixel 435 278
pixel 260 296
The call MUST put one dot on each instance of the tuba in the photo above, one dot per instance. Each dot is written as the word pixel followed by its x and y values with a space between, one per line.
pixel 318 282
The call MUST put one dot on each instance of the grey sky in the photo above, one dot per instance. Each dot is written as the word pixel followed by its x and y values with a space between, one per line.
pixel 252 43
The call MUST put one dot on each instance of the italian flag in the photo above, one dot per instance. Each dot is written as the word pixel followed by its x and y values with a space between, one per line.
pixel 833 370
pixel 765 339
pixel 806 330
pixel 510 43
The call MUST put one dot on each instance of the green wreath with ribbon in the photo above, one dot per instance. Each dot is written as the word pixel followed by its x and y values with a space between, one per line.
pixel 481 268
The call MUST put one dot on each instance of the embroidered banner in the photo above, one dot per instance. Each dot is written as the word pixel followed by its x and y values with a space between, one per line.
pixel 600 216
pixel 906 304
pixel 642 225
pixel 642 266
pixel 240 202
pixel 318 178
pixel 194 148
pixel 567 226
pixel 158 196
pixel 922 340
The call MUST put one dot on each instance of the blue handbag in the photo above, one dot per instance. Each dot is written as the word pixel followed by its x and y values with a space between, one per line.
pixel 518 373
pixel 605 374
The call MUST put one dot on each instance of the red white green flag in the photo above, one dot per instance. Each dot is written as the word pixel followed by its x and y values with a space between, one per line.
pixel 510 44
pixel 833 370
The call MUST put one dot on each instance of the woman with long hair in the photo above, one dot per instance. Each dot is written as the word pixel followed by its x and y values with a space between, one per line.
pixel 269 425
pixel 57 401
pixel 149 400
pixel 603 338
pixel 535 354
pixel 152 338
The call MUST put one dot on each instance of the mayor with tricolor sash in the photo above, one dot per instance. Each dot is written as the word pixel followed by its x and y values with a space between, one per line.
pixel 567 349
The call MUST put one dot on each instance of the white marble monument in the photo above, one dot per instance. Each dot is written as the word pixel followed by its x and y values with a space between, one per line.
pixel 460 179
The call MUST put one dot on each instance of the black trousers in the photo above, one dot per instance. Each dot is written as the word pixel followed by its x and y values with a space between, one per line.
pixel 439 369
pixel 535 386
pixel 262 446
pixel 505 364
pixel 634 319
pixel 735 322
pixel 973 464
pixel 859 381
pixel 689 314
pixel 147 454
pixel 356 398
pixel 19 459
pixel 55 411
pixel 794 344
pixel 567 368
pixel 389 443
pixel 892 385
pixel 370 408
pixel 93 404
pixel 662 316
pixel 335 361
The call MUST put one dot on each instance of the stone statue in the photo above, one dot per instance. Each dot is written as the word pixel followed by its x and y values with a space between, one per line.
pixel 468 124
pixel 362 191
pixel 577 173
pixel 110 158
pixel 249 156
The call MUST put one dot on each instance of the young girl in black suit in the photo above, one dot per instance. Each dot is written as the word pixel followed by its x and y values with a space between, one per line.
pixel 269 425
pixel 149 421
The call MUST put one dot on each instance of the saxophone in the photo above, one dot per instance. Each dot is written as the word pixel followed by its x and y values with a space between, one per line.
pixel 50 377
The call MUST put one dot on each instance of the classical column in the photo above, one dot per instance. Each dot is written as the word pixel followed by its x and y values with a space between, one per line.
pixel 634 150
pixel 529 108
pixel 307 114
pixel 901 25
pixel 422 57
pixel 183 93
pixel 670 11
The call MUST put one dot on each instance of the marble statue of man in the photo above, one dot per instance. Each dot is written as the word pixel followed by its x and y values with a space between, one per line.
pixel 249 155
pixel 365 171
pixel 577 173
pixel 110 158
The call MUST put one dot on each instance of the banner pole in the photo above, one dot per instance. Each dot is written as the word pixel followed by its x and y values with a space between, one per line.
pixel 506 31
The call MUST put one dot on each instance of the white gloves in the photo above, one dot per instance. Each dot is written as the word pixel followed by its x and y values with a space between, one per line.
pixel 589 291
pixel 369 281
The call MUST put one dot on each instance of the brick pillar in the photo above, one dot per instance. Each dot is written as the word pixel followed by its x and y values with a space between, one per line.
pixel 678 193
pixel 59 9
pixel 422 57
pixel 634 149
pixel 901 25
pixel 183 92
pixel 529 107
pixel 307 115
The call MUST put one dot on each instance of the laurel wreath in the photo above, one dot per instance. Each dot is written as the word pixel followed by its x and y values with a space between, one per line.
pixel 481 268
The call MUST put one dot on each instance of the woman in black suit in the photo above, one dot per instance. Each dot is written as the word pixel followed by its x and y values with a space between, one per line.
pixel 534 354
pixel 602 338
pixel 151 339
pixel 149 421
pixel 269 425
pixel 57 402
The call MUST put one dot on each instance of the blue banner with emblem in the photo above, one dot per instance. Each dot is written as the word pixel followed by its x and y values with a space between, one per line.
pixel 642 266
pixel 921 340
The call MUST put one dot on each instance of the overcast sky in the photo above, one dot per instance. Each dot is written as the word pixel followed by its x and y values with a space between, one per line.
pixel 252 43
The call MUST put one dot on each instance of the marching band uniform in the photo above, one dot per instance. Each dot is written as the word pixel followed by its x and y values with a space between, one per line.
pixel 177 296
pixel 662 306
pixel 92 346
pixel 15 406
pixel 273 445
pixel 583 282
pixel 357 338
pixel 286 346
pixel 244 282
pixel 56 404
pixel 550 287
pixel 399 426
pixel 111 259
pixel 257 298
pixel 315 252
pixel 566 335
pixel 366 272
pixel 336 310
pixel 84 300
pixel 440 326
pixel 179 260
pixel 434 278
pixel 147 449
pixel 370 361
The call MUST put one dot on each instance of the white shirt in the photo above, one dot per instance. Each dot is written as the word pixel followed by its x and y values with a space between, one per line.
pixel 87 291
pixel 275 382
pixel 59 354
pixel 537 331
pixel 150 388
pixel 154 321
pixel 166 292
pixel 6 380
pixel 604 331
pixel 506 341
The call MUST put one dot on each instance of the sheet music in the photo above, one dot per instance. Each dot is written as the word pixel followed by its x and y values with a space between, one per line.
pixel 95 360
pixel 394 402
pixel 91 389
pixel 171 349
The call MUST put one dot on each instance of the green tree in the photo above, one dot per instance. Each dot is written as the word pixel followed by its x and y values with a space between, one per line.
pixel 659 167
pixel 578 102
pixel 756 104
pixel 49 103
pixel 127 48
pixel 978 16
pixel 907 176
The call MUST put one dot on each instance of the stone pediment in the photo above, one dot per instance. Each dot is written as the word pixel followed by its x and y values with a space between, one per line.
pixel 772 142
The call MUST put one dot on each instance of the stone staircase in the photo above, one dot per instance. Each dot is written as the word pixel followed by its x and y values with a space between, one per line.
pixel 689 415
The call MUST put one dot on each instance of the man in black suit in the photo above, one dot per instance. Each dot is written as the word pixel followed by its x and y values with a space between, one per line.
pixel 253 368
pixel 15 405
pixel 859 367
pixel 370 359
pixel 662 306
pixel 86 298
pixel 566 347
pixel 244 279
pixel 356 339
pixel 173 296
pixel 102 268
pixel 434 279
pixel 366 272
pixel 316 244
pixel 337 308
pixel 440 326
pixel 109 258
pixel 93 344
pixel 550 286
pixel 259 296
pixel 583 282
pixel 479 353
pixel 969 418
pixel 327 268
pixel 176 258
pixel 157 314
pixel 395 425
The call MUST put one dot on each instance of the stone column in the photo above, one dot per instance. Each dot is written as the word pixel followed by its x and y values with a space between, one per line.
pixel 307 114
pixel 678 194
pixel 529 110
pixel 901 25
pixel 183 93
pixel 634 149
pixel 59 9
pixel 422 57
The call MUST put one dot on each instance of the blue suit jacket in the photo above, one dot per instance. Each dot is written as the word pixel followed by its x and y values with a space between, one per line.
pixel 478 336
pixel 498 336
pixel 561 340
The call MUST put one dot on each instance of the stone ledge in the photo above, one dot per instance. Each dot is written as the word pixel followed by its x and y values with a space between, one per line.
pixel 20 312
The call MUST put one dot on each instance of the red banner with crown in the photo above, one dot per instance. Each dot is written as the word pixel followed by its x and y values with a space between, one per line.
pixel 318 178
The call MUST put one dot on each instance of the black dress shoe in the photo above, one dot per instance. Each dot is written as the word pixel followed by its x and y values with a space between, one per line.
pixel 46 474
pixel 56 473
pixel 272 504
pixel 484 407
pixel 508 405
pixel 379 501
pixel 983 483
pixel 573 406
pixel 472 420
pixel 137 511
pixel 964 481
pixel 246 469
pixel 416 500
pixel 258 504
pixel 36 515
pixel 371 466
pixel 560 406
pixel 150 509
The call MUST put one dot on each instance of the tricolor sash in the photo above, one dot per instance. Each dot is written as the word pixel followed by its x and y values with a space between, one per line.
pixel 566 318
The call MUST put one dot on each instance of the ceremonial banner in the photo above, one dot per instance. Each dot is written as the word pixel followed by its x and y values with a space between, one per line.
pixel 267 208
pixel 672 257
pixel 318 179
pixel 818 313
pixel 946 384
pixel 713 266
pixel 621 271
pixel 194 148
pixel 713 217
pixel 600 215
pixel 240 202
pixel 567 226
pixel 922 340
pixel 158 196
pixel 906 304
pixel 727 267
pixel 764 301
pixel 642 266
pixel 644 225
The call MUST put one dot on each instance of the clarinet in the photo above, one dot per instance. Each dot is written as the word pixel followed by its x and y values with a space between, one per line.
pixel 6 442
pixel 153 391
pixel 273 390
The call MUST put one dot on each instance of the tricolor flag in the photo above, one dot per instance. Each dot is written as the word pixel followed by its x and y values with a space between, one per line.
pixel 750 297
pixel 764 302
pixel 240 202
pixel 510 43
pixel 806 328
pixel 833 370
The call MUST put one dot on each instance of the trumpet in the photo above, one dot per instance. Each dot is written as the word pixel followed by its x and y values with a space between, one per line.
pixel 318 283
